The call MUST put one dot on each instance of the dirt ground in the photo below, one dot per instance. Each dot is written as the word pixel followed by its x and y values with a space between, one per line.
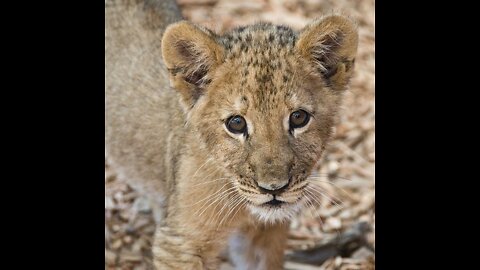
pixel 347 168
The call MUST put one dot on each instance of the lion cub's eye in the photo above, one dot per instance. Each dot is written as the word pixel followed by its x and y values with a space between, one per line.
pixel 236 124
pixel 299 119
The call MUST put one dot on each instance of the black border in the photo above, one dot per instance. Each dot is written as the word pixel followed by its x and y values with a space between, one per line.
pixel 54 191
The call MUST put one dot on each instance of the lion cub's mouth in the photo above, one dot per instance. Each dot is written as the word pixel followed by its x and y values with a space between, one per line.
pixel 275 210
pixel 274 202
pixel 268 207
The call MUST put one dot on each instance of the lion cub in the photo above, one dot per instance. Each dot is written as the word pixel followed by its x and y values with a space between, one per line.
pixel 222 131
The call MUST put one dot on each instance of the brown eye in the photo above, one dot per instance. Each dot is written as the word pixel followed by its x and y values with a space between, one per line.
pixel 236 124
pixel 299 119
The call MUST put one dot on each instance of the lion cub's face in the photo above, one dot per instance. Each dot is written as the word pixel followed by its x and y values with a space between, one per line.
pixel 263 100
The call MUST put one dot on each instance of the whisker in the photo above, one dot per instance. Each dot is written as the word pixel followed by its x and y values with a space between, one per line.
pixel 332 183
pixel 311 206
pixel 217 198
pixel 244 201
pixel 332 199
pixel 325 193
pixel 218 214
pixel 215 170
pixel 232 204
pixel 205 163
pixel 312 196
pixel 203 183
pixel 315 174
pixel 236 203
pixel 298 186
pixel 208 197
pixel 339 206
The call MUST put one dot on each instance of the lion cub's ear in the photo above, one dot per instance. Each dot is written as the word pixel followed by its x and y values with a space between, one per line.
pixel 330 44
pixel 190 54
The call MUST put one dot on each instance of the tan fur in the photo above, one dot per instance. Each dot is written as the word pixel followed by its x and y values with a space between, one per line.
pixel 165 125
pixel 259 246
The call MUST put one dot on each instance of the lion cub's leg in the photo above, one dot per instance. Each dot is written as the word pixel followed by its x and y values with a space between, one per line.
pixel 259 247
pixel 191 236
pixel 180 248
pixel 174 251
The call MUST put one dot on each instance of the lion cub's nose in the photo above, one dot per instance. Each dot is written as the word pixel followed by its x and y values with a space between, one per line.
pixel 272 188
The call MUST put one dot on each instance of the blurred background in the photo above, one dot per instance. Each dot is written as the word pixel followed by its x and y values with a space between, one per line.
pixel 339 235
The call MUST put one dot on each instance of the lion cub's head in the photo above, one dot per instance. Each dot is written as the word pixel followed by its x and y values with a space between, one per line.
pixel 262 99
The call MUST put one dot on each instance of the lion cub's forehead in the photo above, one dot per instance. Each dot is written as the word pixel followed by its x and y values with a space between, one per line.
pixel 248 39
pixel 264 60
pixel 241 103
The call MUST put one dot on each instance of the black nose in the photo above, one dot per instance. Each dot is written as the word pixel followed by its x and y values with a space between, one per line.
pixel 273 191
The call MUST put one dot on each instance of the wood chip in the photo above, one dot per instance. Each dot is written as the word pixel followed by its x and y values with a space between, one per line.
pixel 116 244
pixel 128 256
pixel 110 257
